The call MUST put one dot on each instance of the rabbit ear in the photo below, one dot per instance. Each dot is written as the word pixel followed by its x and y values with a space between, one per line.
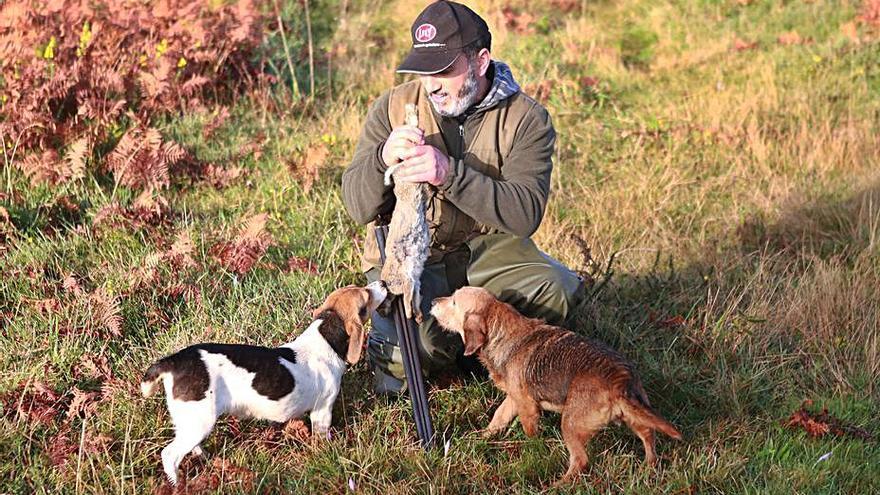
pixel 473 334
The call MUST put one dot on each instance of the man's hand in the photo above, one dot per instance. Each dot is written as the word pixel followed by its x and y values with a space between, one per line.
pixel 399 142
pixel 423 163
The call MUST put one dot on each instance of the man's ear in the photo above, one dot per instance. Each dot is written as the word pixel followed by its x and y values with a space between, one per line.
pixel 473 334
pixel 485 58
pixel 356 337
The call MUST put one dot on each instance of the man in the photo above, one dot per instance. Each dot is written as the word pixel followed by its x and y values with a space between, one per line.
pixel 486 152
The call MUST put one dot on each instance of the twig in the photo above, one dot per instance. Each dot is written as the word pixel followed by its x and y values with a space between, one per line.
pixel 9 159
pixel 595 275
pixel 294 84
pixel 311 51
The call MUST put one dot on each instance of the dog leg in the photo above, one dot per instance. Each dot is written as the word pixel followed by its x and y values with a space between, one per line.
pixel 505 413
pixel 192 423
pixel 174 453
pixel 646 434
pixel 576 433
pixel 170 460
pixel 321 419
pixel 643 422
pixel 529 414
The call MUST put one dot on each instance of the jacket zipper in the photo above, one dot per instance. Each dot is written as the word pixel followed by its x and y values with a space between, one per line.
pixel 461 141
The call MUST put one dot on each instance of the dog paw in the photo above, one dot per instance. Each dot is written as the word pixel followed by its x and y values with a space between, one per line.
pixel 489 433
pixel 172 479
pixel 562 482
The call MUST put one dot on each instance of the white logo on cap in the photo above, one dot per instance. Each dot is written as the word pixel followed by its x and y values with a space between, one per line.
pixel 425 33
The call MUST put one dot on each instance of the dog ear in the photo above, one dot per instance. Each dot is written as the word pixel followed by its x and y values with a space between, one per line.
pixel 474 334
pixel 317 311
pixel 356 337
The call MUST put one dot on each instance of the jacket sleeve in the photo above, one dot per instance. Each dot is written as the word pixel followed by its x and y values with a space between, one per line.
pixel 515 202
pixel 363 189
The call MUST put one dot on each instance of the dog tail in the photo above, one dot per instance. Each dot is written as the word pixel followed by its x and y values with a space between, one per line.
pixel 641 413
pixel 151 379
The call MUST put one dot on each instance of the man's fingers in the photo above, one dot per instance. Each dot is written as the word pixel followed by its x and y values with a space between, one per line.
pixel 414 152
pixel 411 166
pixel 408 134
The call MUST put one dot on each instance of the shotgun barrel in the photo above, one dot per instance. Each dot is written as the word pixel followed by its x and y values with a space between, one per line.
pixel 408 339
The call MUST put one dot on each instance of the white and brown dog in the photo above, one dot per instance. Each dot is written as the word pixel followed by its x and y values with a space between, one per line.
pixel 205 381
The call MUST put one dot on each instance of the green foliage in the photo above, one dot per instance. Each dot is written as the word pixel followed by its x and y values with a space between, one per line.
pixel 637 46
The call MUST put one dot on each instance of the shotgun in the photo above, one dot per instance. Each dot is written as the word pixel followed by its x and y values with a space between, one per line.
pixel 408 339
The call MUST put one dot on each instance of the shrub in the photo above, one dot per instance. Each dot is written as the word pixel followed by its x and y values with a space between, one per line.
pixel 637 47
pixel 86 79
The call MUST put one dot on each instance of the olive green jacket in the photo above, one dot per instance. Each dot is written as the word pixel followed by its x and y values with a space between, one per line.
pixel 504 190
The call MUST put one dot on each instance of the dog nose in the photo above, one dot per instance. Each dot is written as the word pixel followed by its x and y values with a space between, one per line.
pixel 382 284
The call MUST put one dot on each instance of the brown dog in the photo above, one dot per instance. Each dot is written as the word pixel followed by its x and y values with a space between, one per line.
pixel 540 366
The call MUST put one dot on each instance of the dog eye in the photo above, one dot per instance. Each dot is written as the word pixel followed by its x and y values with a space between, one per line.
pixel 363 312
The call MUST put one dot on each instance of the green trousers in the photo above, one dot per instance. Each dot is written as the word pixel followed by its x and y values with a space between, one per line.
pixel 511 268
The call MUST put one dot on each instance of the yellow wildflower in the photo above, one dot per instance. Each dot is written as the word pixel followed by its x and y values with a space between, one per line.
pixel 49 51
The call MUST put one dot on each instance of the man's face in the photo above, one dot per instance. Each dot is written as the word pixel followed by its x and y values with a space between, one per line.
pixel 454 90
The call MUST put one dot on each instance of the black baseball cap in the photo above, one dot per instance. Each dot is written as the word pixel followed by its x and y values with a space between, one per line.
pixel 438 35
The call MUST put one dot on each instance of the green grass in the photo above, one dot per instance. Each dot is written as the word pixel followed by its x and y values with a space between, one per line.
pixel 738 189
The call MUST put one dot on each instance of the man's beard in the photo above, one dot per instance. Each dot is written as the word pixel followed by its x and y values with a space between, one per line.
pixel 466 96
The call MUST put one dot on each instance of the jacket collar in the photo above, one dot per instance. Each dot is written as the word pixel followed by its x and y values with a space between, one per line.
pixel 503 85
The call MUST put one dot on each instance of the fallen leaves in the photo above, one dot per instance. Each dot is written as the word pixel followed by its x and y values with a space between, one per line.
pixel 141 159
pixel 850 31
pixel 149 210
pixel 36 402
pixel 518 22
pixel 66 442
pixel 566 6
pixel 82 404
pixel 740 44
pixel 179 255
pixel 791 38
pixel 39 404
pixel 307 168
pixel 821 424
pixel 298 264
pixel 60 448
pixel 242 253
pixel 71 285
pixel 869 14
pixel 668 322
pixel 106 313
pixel 588 82
pixel 220 177
pixel 93 367
pixel 220 474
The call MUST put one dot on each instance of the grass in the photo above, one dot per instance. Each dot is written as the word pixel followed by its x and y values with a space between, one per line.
pixel 738 189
